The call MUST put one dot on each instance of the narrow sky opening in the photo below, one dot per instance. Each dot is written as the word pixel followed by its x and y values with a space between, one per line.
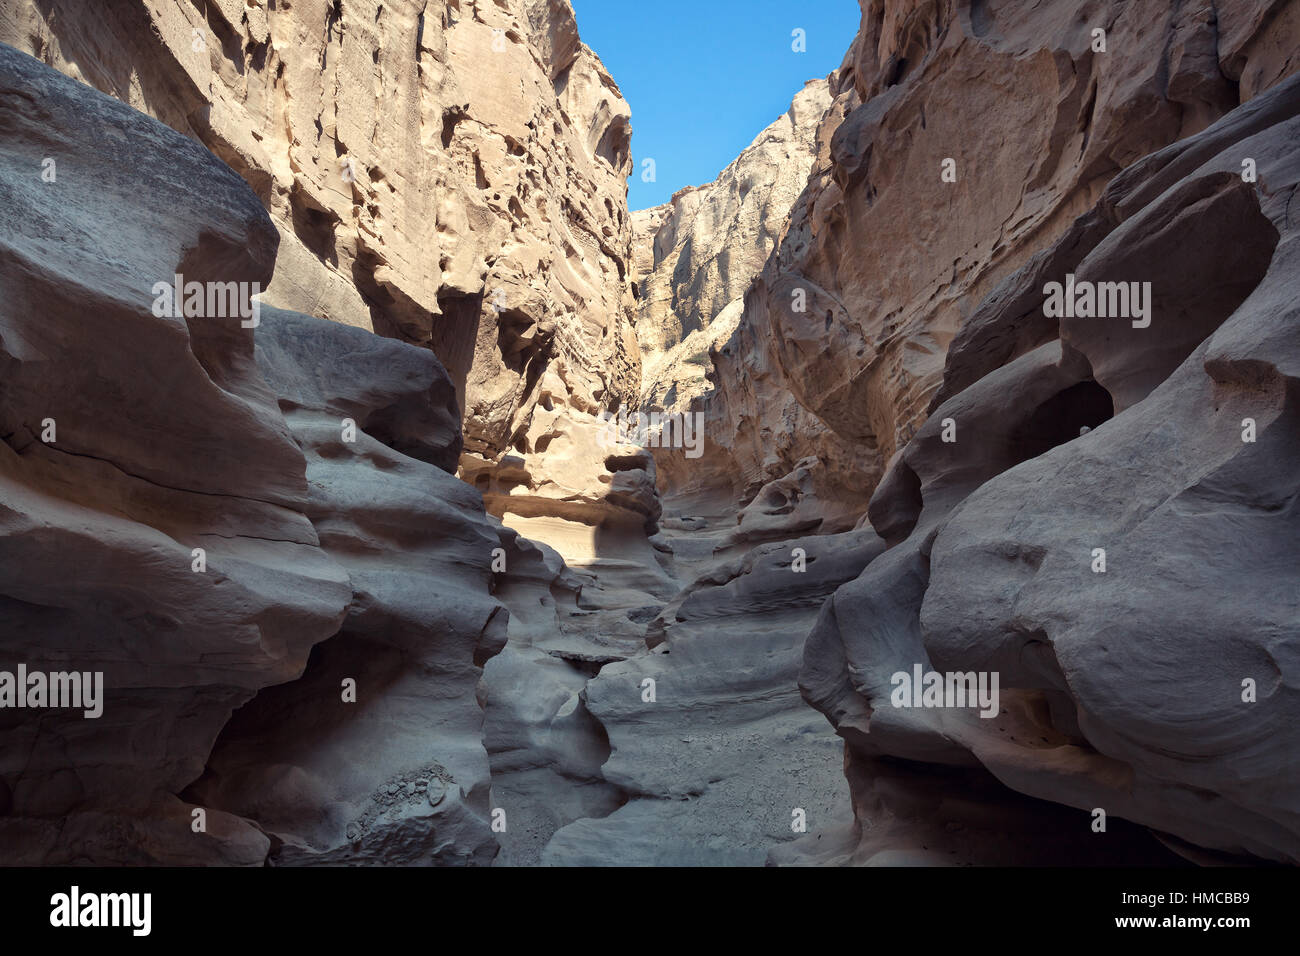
pixel 704 77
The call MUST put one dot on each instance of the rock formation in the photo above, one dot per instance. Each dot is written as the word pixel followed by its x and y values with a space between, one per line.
pixel 1122 682
pixel 449 174
pixel 370 580
pixel 901 302
pixel 695 256
pixel 844 337
pixel 417 549
pixel 130 440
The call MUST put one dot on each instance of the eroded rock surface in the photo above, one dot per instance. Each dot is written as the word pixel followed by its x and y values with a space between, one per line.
pixel 451 174
pixel 696 255
pixel 612 648
pixel 717 753
pixel 165 439
pixel 1152 686
pixel 193 505
pixel 889 260
pixel 417 549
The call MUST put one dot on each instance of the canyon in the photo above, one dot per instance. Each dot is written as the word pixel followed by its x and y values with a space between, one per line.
pixel 446 615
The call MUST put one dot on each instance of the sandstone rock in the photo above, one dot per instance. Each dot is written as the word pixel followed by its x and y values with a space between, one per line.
pixel 907 461
pixel 417 548
pixel 926 815
pixel 308 460
pixel 808 406
pixel 449 174
pixel 697 254
pixel 546 749
pixel 1124 689
pixel 891 259
pixel 715 765
pixel 166 440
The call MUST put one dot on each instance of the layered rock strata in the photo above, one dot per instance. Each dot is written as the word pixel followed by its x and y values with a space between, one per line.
pixel 220 515
pixel 897 341
pixel 314 632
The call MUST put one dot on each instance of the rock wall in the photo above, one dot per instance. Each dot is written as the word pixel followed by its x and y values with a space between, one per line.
pixel 897 341
pixel 131 439
pixel 1125 687
pixel 356 596
pixel 695 256
pixel 417 549
pixel 448 174
pixel 842 347
pixel 1153 685
pixel 249 526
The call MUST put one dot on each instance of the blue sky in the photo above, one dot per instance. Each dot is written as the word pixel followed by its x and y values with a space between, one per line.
pixel 704 77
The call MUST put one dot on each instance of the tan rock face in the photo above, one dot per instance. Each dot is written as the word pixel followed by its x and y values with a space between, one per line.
pixel 697 254
pixel 1125 685
pixel 450 174
pixel 887 259
pixel 195 508
pixel 907 462
pixel 695 258
pixel 165 440
pixel 1066 514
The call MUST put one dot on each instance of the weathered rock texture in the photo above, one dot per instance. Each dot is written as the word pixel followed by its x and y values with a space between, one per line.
pixel 715 766
pixel 922 307
pixel 167 439
pixel 416 547
pixel 451 174
pixel 917 467
pixel 1124 690
pixel 309 461
pixel 696 255
pixel 892 260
